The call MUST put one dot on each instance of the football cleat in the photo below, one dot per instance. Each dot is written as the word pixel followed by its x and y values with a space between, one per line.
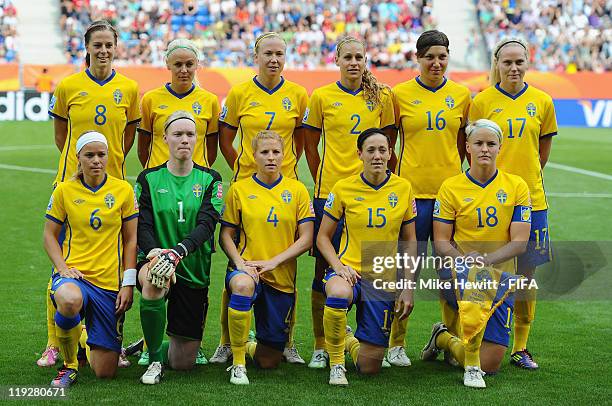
pixel 523 359
pixel 201 358
pixel 153 374
pixel 450 360
pixel 430 351
pixel 65 377
pixel 292 356
pixel 397 356
pixel 123 362
pixel 337 375
pixel 48 357
pixel 134 348
pixel 472 377
pixel 319 359
pixel 385 363
pixel 238 375
pixel 222 354
pixel 143 361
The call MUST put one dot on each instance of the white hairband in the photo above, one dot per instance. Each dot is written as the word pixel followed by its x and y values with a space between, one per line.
pixel 92 136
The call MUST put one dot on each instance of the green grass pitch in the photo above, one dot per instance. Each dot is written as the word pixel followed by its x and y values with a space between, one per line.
pixel 570 339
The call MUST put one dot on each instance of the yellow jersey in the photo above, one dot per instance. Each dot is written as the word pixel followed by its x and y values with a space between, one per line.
pixel 267 217
pixel 428 120
pixel 482 212
pixel 341 115
pixel 250 107
pixel 93 218
pixel 88 104
pixel 371 213
pixel 524 118
pixel 158 104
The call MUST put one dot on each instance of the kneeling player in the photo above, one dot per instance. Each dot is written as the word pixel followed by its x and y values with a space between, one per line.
pixel 180 202
pixel 100 214
pixel 483 213
pixel 262 216
pixel 377 206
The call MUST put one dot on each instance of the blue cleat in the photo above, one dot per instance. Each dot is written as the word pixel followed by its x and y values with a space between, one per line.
pixel 64 378
pixel 523 359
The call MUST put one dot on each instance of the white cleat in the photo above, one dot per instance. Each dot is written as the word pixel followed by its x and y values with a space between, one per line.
pixel 154 374
pixel 238 375
pixel 397 357
pixel 222 354
pixel 472 377
pixel 385 363
pixel 319 359
pixel 337 375
pixel 292 356
pixel 430 351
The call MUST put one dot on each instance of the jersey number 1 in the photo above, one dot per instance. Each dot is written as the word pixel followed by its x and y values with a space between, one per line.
pixel 181 218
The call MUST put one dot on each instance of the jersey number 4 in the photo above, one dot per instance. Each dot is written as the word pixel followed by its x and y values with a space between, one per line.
pixel 272 217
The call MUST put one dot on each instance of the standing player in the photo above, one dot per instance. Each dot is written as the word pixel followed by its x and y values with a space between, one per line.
pixel 337 113
pixel 100 215
pixel 262 271
pixel 377 206
pixel 182 93
pixel 495 222
pixel 431 113
pixel 267 102
pixel 180 203
pixel 527 117
pixel 97 98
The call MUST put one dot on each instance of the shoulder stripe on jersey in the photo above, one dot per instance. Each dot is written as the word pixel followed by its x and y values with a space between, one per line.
pixel 310 127
pixel 412 220
pixel 132 217
pixel 68 139
pixel 52 114
pixel 548 135
pixel 321 165
pixel 325 212
pixel 306 219
pixel 443 220
pixel 347 238
pixel 55 220
pixel 228 224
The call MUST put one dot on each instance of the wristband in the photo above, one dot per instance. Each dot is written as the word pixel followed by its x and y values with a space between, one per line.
pixel 129 277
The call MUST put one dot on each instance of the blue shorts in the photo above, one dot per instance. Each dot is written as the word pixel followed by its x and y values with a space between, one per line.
pixel 374 317
pixel 104 327
pixel 273 310
pixel 318 205
pixel 538 248
pixel 499 325
pixel 424 224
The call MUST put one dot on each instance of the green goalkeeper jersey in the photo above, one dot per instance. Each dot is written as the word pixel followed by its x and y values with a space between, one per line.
pixel 180 212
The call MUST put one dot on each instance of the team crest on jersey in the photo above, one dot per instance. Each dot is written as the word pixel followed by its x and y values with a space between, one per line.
pixel 50 205
pixel 450 102
pixel 416 102
pixel 306 113
pixel 197 190
pixel 118 96
pixel 370 105
pixel 501 196
pixel 526 214
pixel 223 112
pixel 286 196
pixel 337 105
pixel 483 277
pixel 330 201
pixel 436 210
pixel 287 104
pixel 531 109
pixel 109 200
pixel 196 107
pixel 393 199
pixel 219 190
pixel 52 102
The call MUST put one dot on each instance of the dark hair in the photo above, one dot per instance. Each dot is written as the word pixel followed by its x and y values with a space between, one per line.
pixel 367 134
pixel 429 39
pixel 98 25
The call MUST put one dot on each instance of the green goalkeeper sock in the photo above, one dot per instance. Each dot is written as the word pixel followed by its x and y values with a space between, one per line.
pixel 153 322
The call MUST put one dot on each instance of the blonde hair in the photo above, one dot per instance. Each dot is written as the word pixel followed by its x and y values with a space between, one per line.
pixel 491 126
pixel 178 115
pixel 494 76
pixel 372 88
pixel 183 43
pixel 266 35
pixel 266 135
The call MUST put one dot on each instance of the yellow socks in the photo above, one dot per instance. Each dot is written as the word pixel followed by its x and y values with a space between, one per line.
pixel 225 338
pixel 251 347
pixel 334 322
pixel 398 332
pixel 239 323
pixel 524 313
pixel 448 342
pixel 68 331
pixel 317 301
pixel 352 347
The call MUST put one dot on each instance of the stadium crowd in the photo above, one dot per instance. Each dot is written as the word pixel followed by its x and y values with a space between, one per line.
pixel 8 31
pixel 225 30
pixel 564 35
